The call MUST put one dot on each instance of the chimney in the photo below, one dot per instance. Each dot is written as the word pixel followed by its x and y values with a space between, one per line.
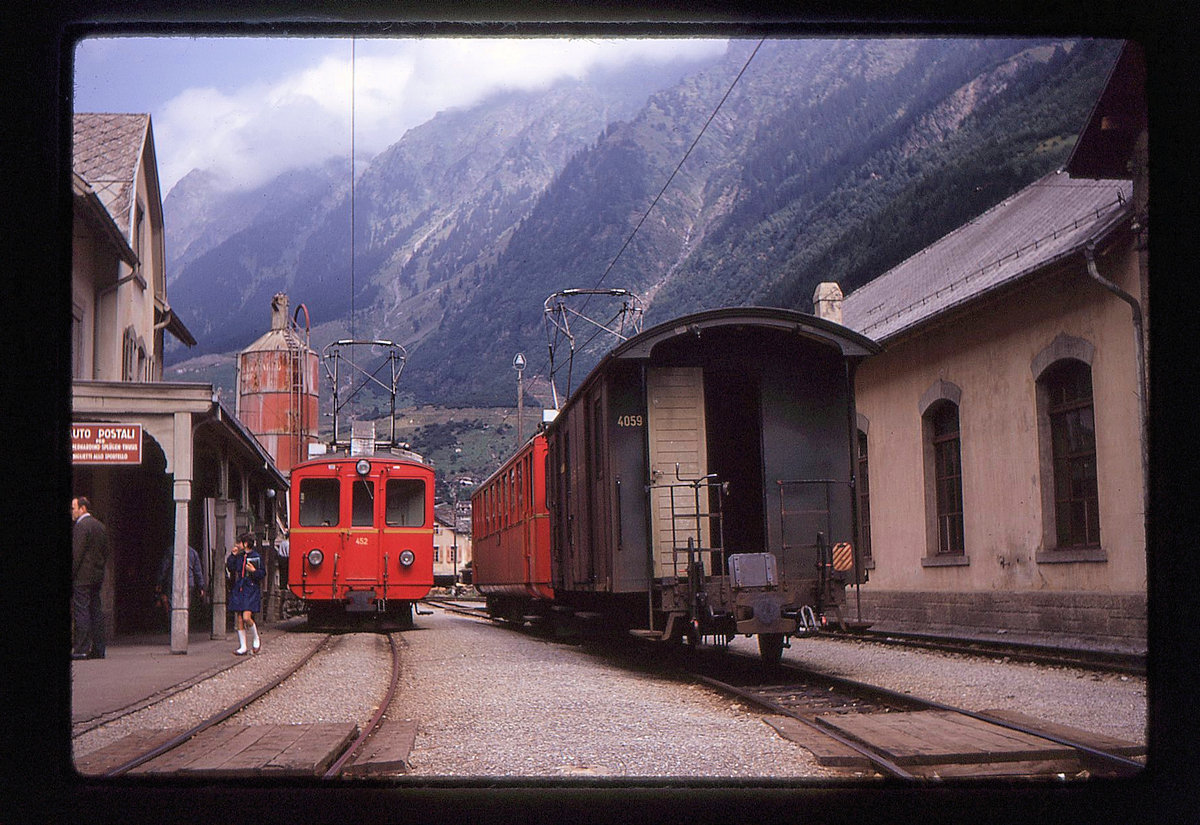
pixel 827 302
pixel 279 311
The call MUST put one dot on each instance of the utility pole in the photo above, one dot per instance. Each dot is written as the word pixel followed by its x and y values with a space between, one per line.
pixel 519 366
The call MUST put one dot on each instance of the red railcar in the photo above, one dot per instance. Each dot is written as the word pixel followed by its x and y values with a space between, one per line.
pixel 511 534
pixel 361 540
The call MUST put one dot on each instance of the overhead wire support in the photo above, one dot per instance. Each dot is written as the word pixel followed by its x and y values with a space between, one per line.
pixel 396 357
pixel 556 316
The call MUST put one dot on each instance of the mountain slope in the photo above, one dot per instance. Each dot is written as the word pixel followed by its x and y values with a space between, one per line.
pixel 830 160
pixel 826 160
pixel 426 213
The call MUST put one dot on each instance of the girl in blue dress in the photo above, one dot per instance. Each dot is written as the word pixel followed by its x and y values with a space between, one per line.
pixel 246 573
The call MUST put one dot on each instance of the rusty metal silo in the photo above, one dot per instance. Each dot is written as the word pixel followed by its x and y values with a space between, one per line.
pixel 278 387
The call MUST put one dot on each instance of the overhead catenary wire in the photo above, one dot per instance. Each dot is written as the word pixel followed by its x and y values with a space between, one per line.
pixel 679 165
pixel 659 196
pixel 353 66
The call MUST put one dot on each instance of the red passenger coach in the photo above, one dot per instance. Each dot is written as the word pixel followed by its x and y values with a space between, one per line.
pixel 511 535
pixel 361 540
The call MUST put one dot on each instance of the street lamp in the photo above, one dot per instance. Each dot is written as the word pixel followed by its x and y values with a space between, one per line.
pixel 519 366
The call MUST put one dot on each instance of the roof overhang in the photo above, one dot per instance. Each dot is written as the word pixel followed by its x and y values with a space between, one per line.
pixel 95 213
pixel 167 318
pixel 162 402
pixel 850 343
pixel 1119 116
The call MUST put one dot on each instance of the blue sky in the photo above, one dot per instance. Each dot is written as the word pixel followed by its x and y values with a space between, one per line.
pixel 248 109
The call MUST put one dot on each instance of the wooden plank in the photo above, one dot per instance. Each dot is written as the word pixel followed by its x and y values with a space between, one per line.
pixel 1023 768
pixel 828 752
pixel 103 760
pixel 253 760
pixel 217 761
pixel 966 732
pixel 387 751
pixel 1099 741
pixel 317 749
pixel 176 760
pixel 929 737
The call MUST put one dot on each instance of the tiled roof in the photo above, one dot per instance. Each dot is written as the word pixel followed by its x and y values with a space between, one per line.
pixel 1044 222
pixel 107 148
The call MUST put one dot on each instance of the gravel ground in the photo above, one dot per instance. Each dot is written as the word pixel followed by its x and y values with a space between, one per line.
pixel 490 702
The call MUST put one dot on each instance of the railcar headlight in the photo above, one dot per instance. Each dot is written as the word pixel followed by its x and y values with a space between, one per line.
pixel 315 557
pixel 362 467
pixel 407 557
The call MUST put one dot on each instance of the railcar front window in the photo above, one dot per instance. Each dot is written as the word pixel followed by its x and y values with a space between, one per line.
pixel 364 503
pixel 319 502
pixel 405 502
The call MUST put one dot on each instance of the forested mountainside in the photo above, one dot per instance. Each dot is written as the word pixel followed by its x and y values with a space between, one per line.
pixel 828 160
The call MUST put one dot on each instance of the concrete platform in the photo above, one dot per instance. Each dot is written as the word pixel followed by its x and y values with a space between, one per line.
pixel 137 668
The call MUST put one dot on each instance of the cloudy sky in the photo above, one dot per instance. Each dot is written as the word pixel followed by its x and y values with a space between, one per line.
pixel 252 108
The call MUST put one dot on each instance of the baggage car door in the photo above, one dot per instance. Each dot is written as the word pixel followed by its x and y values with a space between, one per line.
pixel 677 435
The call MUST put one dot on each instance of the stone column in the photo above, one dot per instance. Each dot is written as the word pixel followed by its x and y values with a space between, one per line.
pixel 183 498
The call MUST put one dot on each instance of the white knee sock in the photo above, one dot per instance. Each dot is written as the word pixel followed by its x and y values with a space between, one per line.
pixel 241 642
pixel 254 635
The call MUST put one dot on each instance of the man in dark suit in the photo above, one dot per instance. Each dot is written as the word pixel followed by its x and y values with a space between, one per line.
pixel 89 547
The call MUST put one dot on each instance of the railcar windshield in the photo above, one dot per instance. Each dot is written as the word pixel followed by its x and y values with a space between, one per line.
pixel 319 502
pixel 405 502
pixel 363 503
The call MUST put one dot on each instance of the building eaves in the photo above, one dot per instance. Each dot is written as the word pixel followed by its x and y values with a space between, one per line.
pixel 250 442
pixel 1045 222
pixel 95 213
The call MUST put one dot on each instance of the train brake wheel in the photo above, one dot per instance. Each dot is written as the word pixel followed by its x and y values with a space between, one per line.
pixel 770 647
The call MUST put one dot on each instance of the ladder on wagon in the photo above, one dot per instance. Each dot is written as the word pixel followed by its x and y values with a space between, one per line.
pixel 697 533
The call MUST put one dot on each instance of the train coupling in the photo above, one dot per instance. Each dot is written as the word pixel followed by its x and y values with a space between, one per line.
pixel 806 620
pixel 361 601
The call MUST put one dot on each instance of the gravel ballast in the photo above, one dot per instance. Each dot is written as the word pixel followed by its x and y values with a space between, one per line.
pixel 492 702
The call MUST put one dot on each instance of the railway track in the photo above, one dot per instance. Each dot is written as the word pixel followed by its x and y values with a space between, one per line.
pixel 860 726
pixel 1108 661
pixel 872 729
pixel 220 747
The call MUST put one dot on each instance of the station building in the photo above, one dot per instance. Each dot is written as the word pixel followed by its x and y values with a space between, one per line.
pixel 1003 468
pixel 165 464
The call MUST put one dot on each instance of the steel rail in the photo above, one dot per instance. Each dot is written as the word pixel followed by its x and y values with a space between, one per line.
pixel 1122 763
pixel 1118 761
pixel 215 719
pixel 1106 661
pixel 876 758
pixel 377 719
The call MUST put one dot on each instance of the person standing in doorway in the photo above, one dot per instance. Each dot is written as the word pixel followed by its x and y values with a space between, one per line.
pixel 246 573
pixel 89 550
pixel 196 579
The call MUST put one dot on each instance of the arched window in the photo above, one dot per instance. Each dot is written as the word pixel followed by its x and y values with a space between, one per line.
pixel 943 439
pixel 1067 387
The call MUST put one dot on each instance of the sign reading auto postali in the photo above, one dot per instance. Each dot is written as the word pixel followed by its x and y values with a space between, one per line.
pixel 106 443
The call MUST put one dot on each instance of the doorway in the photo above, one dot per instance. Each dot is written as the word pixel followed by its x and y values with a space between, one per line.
pixel 733 408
